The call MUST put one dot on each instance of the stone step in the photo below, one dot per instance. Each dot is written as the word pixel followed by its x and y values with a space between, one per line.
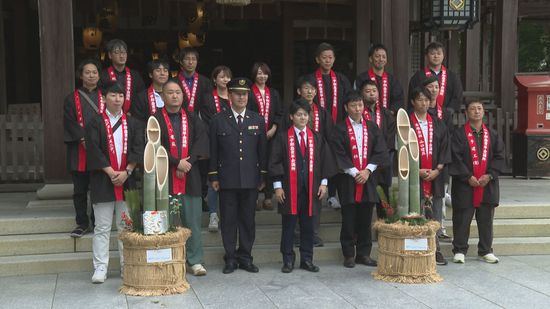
pixel 82 261
pixel 266 234
pixel 517 211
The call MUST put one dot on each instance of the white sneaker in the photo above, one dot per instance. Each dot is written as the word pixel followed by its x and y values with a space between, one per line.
pixel 100 274
pixel 213 224
pixel 448 200
pixel 458 258
pixel 198 270
pixel 489 258
pixel 333 202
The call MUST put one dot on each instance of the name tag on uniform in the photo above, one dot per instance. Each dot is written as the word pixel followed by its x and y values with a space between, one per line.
pixel 253 128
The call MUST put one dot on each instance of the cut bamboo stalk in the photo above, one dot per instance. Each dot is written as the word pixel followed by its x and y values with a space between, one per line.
pixel 403 182
pixel 161 169
pixel 153 132
pixel 414 178
pixel 403 126
pixel 149 177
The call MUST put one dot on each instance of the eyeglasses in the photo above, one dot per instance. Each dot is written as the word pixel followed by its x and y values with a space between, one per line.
pixel 119 52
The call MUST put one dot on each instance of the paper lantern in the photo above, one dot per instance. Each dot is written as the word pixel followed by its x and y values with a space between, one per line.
pixel 91 37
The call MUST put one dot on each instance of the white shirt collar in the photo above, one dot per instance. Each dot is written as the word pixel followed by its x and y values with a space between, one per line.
pixel 297 131
pixel 115 116
pixel 236 115
pixel 355 122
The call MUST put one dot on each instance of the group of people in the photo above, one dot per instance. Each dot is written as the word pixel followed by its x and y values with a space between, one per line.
pixel 235 137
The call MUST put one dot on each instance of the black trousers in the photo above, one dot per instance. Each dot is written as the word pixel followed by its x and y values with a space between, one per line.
pixel 81 184
pixel 237 212
pixel 306 232
pixel 355 235
pixel 462 218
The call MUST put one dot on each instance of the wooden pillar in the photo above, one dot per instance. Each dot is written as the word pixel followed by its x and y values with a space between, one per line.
pixel 506 53
pixel 56 57
pixel 362 34
pixel 21 51
pixel 3 98
pixel 472 63
pixel 288 55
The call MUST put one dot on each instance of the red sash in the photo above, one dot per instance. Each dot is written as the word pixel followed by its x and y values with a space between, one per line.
pixel 316 120
pixel 178 184
pixel 119 194
pixel 127 91
pixel 80 120
pixel 442 88
pixel 367 115
pixel 294 173
pixel 190 93
pixel 152 100
pixel 263 106
pixel 479 166
pixel 216 100
pixel 322 99
pixel 426 151
pixel 385 86
pixel 359 165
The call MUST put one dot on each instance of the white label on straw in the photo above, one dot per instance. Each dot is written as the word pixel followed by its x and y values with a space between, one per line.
pixel 420 244
pixel 158 256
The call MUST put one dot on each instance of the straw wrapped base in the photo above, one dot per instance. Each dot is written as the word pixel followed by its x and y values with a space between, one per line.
pixel 154 279
pixel 395 264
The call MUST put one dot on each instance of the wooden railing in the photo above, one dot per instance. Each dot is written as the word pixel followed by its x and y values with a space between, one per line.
pixel 21 148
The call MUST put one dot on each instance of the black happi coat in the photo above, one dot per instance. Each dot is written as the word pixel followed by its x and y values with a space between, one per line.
pixel 377 154
pixel 275 108
pixel 388 129
pixel 279 161
pixel 325 122
pixel 461 169
pixel 238 156
pixel 72 131
pixel 208 106
pixel 441 154
pixel 97 155
pixel 141 107
pixel 395 90
pixel 137 81
pixel 453 91
pixel 198 148
pixel 344 87
pixel 204 87
pixel 447 118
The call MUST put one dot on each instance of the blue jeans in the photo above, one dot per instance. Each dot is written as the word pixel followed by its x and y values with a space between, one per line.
pixel 212 199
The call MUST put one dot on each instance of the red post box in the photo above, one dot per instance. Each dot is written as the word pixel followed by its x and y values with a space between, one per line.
pixel 531 139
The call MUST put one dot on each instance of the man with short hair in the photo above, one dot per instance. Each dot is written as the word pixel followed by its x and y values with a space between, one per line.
pixel 194 85
pixel 80 107
pixel 117 51
pixel 450 86
pixel 389 89
pixel 477 161
pixel 238 166
pixel 186 140
pixel 360 149
pixel 150 100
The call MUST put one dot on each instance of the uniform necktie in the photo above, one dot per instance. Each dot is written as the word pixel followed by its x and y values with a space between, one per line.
pixel 302 143
pixel 240 120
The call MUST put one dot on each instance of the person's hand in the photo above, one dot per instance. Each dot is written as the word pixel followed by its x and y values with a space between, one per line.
pixel 180 174
pixel 271 132
pixel 473 182
pixel 322 191
pixel 423 173
pixel 484 180
pixel 362 177
pixel 432 174
pixel 184 166
pixel 261 186
pixel 119 178
pixel 280 195
pixel 215 185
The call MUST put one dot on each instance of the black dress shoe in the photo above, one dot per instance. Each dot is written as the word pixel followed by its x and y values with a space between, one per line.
pixel 309 266
pixel 318 242
pixel 349 262
pixel 249 267
pixel 287 268
pixel 229 268
pixel 365 260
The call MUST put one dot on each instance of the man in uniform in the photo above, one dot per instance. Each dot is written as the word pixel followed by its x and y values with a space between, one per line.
pixel 238 165
pixel 118 71
pixel 389 89
pixel 477 161
pixel 79 108
pixel 150 100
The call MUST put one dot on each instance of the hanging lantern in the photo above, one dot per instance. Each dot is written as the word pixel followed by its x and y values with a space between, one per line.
pixel 233 2
pixel 155 56
pixel 196 40
pixel 449 14
pixel 183 41
pixel 91 38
